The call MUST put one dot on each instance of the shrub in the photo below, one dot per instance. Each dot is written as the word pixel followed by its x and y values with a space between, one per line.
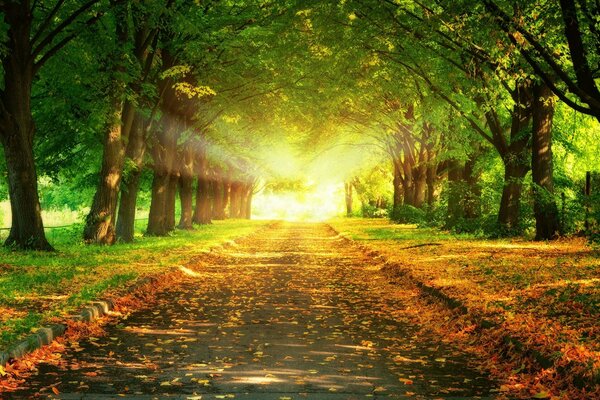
pixel 407 214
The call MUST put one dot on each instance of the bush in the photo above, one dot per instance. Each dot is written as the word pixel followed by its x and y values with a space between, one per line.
pixel 369 211
pixel 407 214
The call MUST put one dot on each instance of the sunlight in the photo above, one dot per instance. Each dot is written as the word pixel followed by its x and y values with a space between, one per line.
pixel 318 203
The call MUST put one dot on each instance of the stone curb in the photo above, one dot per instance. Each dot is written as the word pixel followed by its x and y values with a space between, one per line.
pixel 509 343
pixel 46 334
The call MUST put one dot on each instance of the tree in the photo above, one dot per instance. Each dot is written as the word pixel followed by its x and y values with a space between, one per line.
pixel 35 35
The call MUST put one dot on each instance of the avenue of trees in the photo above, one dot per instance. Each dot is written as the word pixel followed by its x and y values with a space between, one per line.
pixel 476 113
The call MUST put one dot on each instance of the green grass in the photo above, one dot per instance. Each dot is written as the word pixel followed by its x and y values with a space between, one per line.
pixel 37 285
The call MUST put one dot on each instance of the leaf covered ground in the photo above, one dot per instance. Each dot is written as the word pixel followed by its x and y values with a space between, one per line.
pixel 542 300
pixel 291 313
pixel 37 286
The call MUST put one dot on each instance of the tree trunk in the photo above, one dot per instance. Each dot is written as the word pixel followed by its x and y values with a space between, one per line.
pixel 136 148
pixel 420 186
pixel 226 196
pixel 127 207
pixel 408 190
pixel 186 191
pixel 348 197
pixel 516 159
pixel 398 192
pixel 202 211
pixel 17 131
pixel 248 209
pixel 218 206
pixel 100 222
pixel 171 200
pixel 455 210
pixel 431 181
pixel 235 201
pixel 161 220
pixel 546 212
pixel 156 218
pixel 514 173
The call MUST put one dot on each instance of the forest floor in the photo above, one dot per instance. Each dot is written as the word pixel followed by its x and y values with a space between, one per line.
pixel 36 287
pixel 536 302
pixel 294 312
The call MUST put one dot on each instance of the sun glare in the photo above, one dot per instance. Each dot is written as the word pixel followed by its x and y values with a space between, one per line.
pixel 319 203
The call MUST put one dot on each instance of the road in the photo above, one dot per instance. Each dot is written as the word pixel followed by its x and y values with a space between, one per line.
pixel 294 312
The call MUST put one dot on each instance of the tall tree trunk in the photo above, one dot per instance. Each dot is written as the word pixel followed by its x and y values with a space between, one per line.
pixel 348 197
pixel 235 200
pixel 455 210
pixel 100 222
pixel 516 159
pixel 17 131
pixel 431 181
pixel 420 186
pixel 136 148
pixel 514 173
pixel 218 206
pixel 186 183
pixel 408 190
pixel 127 207
pixel 170 202
pixel 398 192
pixel 157 215
pixel 163 154
pixel 202 211
pixel 546 212
pixel 248 208
pixel 226 196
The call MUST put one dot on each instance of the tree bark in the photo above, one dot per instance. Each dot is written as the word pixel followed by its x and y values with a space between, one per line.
pixel 431 183
pixel 186 191
pixel 163 154
pixel 217 195
pixel 170 202
pixel 248 209
pixel 235 200
pixel 546 212
pixel 156 218
pixel 136 148
pixel 516 159
pixel 17 131
pixel 419 185
pixel 202 211
pixel 348 197
pixel 127 207
pixel 226 196
pixel 100 222
pixel 398 195
pixel 455 210
pixel 514 173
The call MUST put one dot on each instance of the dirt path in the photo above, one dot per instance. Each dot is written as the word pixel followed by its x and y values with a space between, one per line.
pixel 289 314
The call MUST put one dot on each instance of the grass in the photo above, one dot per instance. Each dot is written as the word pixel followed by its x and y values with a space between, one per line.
pixel 546 294
pixel 37 286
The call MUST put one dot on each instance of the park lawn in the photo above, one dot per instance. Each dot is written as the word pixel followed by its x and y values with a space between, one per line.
pixel 545 295
pixel 36 286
